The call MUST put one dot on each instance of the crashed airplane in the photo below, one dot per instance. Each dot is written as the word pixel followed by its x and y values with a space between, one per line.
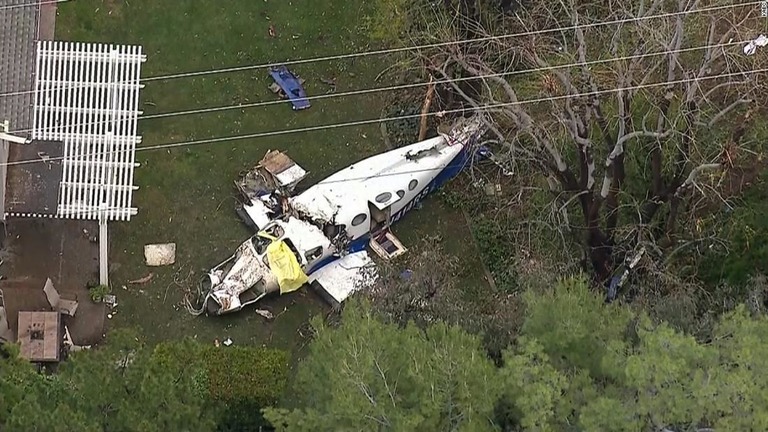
pixel 320 236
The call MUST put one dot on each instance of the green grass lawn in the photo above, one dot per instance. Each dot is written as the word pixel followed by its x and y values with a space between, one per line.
pixel 186 195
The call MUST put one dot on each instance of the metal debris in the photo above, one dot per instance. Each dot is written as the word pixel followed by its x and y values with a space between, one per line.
pixel 265 313
pixel 751 47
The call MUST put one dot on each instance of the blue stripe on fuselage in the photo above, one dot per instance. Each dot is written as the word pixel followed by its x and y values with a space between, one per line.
pixel 450 171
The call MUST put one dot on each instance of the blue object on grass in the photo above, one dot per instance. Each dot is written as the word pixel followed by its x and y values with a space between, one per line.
pixel 406 274
pixel 291 86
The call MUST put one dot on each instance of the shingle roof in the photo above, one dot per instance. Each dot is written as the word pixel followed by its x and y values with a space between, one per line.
pixel 17 65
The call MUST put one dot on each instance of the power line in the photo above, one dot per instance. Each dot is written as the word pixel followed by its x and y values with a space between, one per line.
pixel 441 44
pixel 424 83
pixel 402 86
pixel 416 47
pixel 37 3
pixel 403 117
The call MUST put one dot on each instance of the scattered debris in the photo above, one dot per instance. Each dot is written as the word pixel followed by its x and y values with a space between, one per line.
pixel 751 47
pixel 160 254
pixel 329 82
pixel 70 345
pixel 228 342
pixel 45 158
pixel 265 313
pixel 492 189
pixel 290 85
pixel 67 307
pixel 143 280
pixel 111 301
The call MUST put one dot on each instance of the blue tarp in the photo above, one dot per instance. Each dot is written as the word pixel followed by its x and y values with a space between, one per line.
pixel 290 86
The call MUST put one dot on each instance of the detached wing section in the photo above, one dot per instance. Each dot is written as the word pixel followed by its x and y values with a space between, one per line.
pixel 343 277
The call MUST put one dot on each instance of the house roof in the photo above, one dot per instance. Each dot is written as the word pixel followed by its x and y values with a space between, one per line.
pixel 17 66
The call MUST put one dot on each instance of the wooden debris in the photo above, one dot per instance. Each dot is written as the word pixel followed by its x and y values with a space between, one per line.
pixel 143 280
pixel 265 313
pixel 425 110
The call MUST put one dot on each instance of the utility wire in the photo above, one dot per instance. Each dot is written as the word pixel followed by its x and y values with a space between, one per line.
pixel 441 44
pixel 418 47
pixel 396 87
pixel 402 117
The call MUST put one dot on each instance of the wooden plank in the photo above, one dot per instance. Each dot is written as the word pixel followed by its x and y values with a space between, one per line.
pixel 276 162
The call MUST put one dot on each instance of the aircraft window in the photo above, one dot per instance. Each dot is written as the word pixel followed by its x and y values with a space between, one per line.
pixel 401 193
pixel 313 254
pixel 260 244
pixel 275 230
pixel 359 219
pixel 331 231
pixel 383 197
pixel 412 185
pixel 293 249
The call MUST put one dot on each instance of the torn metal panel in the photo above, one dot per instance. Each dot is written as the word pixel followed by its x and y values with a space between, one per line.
pixel 237 275
pixel 258 213
pixel 345 276
pixel 245 271
pixel 275 172
pixel 304 236
pixel 751 47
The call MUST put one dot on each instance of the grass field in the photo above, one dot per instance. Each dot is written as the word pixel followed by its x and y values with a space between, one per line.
pixel 186 195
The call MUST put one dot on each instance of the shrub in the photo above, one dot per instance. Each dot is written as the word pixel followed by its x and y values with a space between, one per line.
pixel 98 292
pixel 239 381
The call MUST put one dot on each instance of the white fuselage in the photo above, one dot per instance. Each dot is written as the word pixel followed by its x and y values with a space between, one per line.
pixel 358 201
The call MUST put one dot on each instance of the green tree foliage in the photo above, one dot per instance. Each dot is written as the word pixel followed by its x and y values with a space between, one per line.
pixel 118 387
pixel 616 370
pixel 368 375
pixel 238 381
pixel 578 365
pixel 124 386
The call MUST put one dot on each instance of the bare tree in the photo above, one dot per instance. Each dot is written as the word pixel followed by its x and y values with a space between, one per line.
pixel 637 132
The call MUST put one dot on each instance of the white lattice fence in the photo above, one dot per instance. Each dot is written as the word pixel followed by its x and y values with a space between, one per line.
pixel 88 98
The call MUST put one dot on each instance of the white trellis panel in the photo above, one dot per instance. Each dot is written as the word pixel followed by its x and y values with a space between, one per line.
pixel 87 97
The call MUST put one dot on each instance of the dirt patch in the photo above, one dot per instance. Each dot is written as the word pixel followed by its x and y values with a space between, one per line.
pixel 37 249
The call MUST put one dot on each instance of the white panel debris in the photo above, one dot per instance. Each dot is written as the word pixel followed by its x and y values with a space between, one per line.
pixel 160 254
pixel 751 47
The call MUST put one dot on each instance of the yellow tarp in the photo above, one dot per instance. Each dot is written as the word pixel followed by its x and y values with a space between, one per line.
pixel 284 265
